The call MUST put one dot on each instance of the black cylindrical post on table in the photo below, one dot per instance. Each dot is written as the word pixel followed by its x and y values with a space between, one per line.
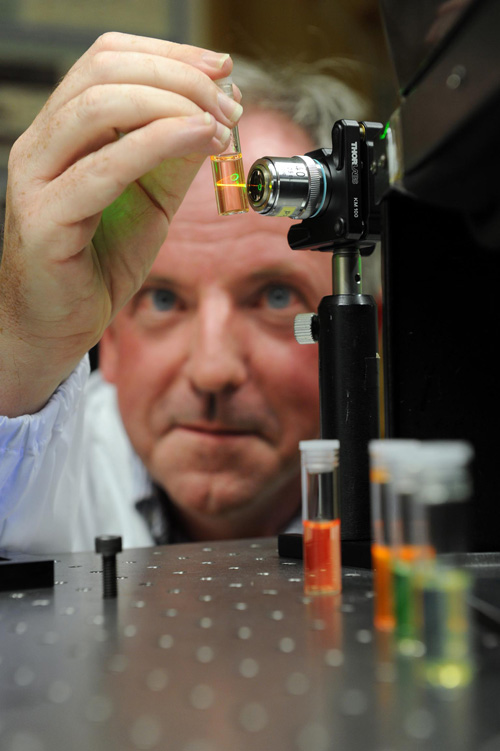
pixel 349 387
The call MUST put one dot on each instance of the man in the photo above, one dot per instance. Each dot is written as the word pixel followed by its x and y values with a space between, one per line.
pixel 207 392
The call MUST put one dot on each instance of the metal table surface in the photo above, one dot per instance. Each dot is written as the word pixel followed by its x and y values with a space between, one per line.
pixel 213 647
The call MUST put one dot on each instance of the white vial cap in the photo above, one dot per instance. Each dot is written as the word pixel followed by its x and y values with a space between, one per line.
pixel 328 444
pixel 398 456
pixel 226 85
pixel 320 455
pixel 387 448
pixel 225 80
pixel 447 453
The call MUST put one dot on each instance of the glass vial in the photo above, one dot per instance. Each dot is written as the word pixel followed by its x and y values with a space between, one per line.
pixel 442 585
pixel 384 456
pixel 320 516
pixel 227 169
pixel 411 546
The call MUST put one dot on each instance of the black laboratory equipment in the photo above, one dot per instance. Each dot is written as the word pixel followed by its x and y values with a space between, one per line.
pixel 427 183
pixel 441 238
pixel 333 191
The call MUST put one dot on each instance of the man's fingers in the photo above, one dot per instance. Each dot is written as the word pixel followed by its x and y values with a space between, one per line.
pixel 139 68
pixel 123 91
pixel 212 63
pixel 96 117
pixel 117 58
pixel 92 183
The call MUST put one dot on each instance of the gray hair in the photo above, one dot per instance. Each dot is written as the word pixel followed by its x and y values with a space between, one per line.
pixel 312 95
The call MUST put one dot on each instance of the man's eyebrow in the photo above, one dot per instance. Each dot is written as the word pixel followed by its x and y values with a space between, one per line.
pixel 158 279
pixel 283 270
pixel 278 270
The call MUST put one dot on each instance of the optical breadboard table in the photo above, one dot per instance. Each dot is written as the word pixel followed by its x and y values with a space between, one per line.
pixel 213 647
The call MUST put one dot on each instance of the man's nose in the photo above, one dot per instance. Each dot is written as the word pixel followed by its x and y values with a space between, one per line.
pixel 216 362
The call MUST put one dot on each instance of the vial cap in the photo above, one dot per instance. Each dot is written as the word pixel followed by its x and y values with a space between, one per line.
pixel 320 455
pixel 447 453
pixel 329 444
pixel 226 85
pixel 390 449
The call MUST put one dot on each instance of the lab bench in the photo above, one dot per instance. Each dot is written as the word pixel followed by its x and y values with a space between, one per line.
pixel 214 647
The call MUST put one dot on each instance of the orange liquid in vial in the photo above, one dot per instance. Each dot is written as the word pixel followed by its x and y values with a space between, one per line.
pixel 229 183
pixel 322 566
pixel 383 586
pixel 413 553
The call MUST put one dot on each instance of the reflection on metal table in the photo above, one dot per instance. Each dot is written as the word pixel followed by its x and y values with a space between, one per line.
pixel 213 647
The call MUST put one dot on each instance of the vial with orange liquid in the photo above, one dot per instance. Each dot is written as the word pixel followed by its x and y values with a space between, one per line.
pixel 227 169
pixel 320 515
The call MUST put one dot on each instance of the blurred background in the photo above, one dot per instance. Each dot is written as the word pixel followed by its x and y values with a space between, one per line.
pixel 40 40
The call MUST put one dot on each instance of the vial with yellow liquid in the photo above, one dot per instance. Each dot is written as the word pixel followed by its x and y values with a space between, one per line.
pixel 227 169
pixel 441 587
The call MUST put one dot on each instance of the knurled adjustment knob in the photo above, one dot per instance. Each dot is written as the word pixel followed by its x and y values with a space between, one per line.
pixel 305 328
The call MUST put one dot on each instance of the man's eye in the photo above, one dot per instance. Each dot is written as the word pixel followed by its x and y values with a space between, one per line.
pixel 163 299
pixel 278 296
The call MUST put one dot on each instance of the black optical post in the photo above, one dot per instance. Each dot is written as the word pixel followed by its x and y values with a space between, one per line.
pixel 336 190
pixel 347 321
pixel 349 382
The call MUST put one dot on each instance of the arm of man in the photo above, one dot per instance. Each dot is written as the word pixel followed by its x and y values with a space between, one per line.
pixel 93 185
pixel 69 473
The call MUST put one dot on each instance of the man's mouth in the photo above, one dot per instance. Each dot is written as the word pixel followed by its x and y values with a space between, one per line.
pixel 215 430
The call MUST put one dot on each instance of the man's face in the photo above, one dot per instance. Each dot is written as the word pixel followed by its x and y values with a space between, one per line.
pixel 214 391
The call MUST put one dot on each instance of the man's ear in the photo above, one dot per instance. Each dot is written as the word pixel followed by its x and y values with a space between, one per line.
pixel 108 355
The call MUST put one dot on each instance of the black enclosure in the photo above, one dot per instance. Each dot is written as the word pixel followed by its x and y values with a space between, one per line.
pixel 441 242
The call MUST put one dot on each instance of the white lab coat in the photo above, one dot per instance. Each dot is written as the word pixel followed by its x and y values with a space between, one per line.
pixel 69 473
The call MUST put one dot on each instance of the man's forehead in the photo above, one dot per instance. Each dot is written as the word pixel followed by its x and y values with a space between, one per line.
pixel 232 263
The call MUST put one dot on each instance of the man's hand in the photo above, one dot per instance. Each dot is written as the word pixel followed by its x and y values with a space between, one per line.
pixel 93 185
